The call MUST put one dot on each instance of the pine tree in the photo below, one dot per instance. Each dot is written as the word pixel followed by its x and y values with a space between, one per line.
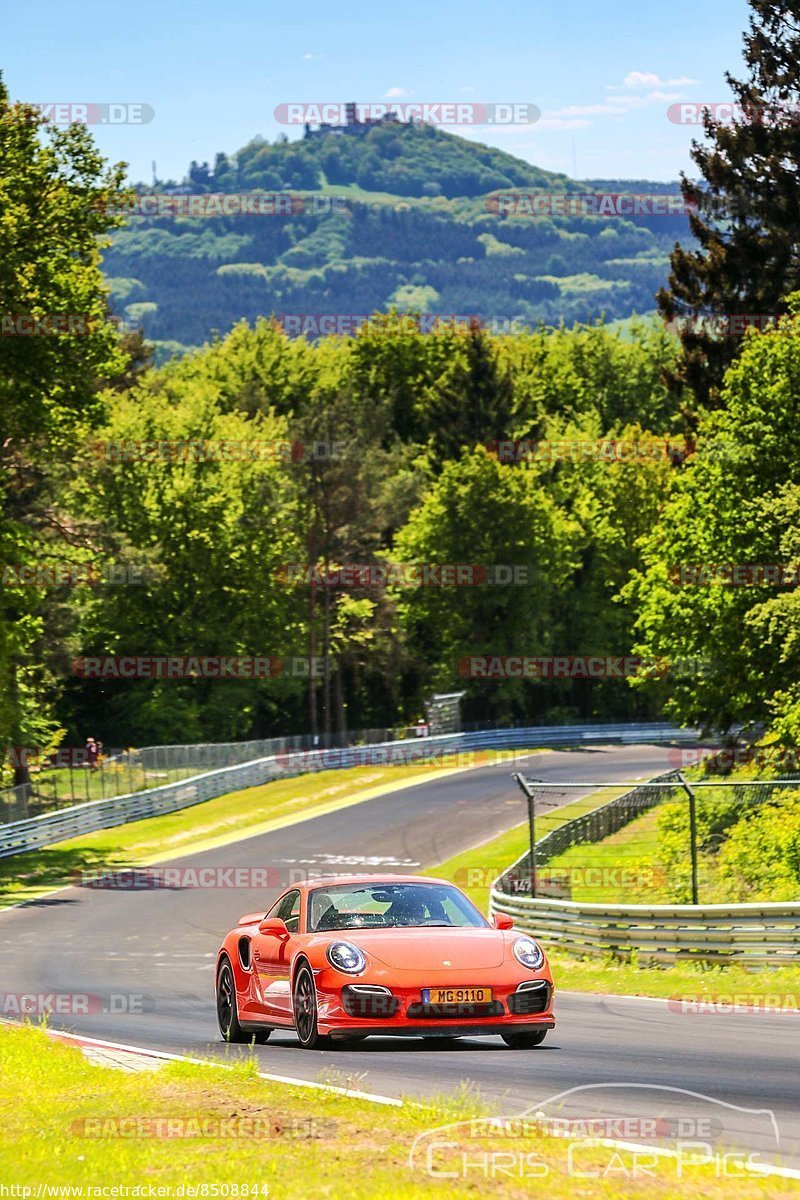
pixel 473 402
pixel 747 221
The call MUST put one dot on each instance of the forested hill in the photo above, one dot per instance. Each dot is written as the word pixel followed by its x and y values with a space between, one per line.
pixel 397 216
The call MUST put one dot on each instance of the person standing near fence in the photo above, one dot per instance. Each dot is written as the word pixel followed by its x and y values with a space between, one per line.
pixel 93 751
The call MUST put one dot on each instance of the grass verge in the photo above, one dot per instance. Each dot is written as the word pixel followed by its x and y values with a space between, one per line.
pixel 68 1123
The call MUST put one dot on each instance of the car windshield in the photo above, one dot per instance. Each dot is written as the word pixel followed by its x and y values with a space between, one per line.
pixel 387 905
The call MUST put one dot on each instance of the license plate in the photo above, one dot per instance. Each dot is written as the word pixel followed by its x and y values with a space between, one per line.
pixel 462 995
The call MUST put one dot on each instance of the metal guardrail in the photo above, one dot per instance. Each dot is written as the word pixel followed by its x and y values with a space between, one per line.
pixel 47 829
pixel 760 934
pixel 66 823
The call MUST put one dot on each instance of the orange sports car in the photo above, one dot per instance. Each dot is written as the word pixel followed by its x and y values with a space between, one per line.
pixel 363 954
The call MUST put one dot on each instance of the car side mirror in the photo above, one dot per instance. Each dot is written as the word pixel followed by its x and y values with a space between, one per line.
pixel 274 926
pixel 502 921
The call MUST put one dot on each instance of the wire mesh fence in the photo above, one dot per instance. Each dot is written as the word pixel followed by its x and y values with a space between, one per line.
pixel 673 840
pixel 118 772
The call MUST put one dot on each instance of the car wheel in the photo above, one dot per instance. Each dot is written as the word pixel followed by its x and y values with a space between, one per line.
pixel 227 1016
pixel 304 1006
pixel 524 1041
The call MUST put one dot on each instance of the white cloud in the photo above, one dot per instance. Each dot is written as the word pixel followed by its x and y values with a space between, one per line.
pixel 395 93
pixel 612 106
pixel 647 79
pixel 313 57
pixel 656 97
pixel 587 110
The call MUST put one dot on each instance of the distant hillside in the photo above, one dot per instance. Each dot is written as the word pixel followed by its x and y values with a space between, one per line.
pixel 397 216
pixel 404 160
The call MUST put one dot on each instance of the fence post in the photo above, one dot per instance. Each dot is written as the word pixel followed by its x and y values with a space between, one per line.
pixel 692 833
pixel 523 783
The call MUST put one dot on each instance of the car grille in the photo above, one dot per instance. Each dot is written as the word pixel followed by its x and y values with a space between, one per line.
pixel 445 1012
pixel 530 1000
pixel 368 1004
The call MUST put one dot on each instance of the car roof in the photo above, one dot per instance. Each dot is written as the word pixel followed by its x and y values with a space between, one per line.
pixel 348 880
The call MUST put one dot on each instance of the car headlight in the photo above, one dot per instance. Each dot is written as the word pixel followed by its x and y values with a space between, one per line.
pixel 346 957
pixel 527 952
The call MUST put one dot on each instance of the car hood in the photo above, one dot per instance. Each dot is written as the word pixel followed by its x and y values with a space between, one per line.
pixel 431 949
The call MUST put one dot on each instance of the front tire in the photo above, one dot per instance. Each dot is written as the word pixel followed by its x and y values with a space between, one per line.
pixel 304 1007
pixel 227 1016
pixel 524 1041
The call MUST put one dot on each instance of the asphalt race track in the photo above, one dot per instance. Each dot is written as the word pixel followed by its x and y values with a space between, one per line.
pixel 158 948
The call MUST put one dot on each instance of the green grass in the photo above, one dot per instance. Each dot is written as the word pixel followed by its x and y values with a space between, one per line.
pixel 57 1112
pixel 475 870
pixel 624 868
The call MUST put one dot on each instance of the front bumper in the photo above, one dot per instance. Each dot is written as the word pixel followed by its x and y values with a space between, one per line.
pixel 366 1006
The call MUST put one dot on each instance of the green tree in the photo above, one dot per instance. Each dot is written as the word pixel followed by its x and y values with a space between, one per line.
pixel 211 520
pixel 473 401
pixel 55 197
pixel 730 506
pixel 482 513
pixel 748 204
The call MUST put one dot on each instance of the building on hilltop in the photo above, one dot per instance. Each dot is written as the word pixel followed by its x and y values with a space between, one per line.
pixel 354 125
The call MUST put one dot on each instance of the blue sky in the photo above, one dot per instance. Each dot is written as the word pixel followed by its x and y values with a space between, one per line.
pixel 603 75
